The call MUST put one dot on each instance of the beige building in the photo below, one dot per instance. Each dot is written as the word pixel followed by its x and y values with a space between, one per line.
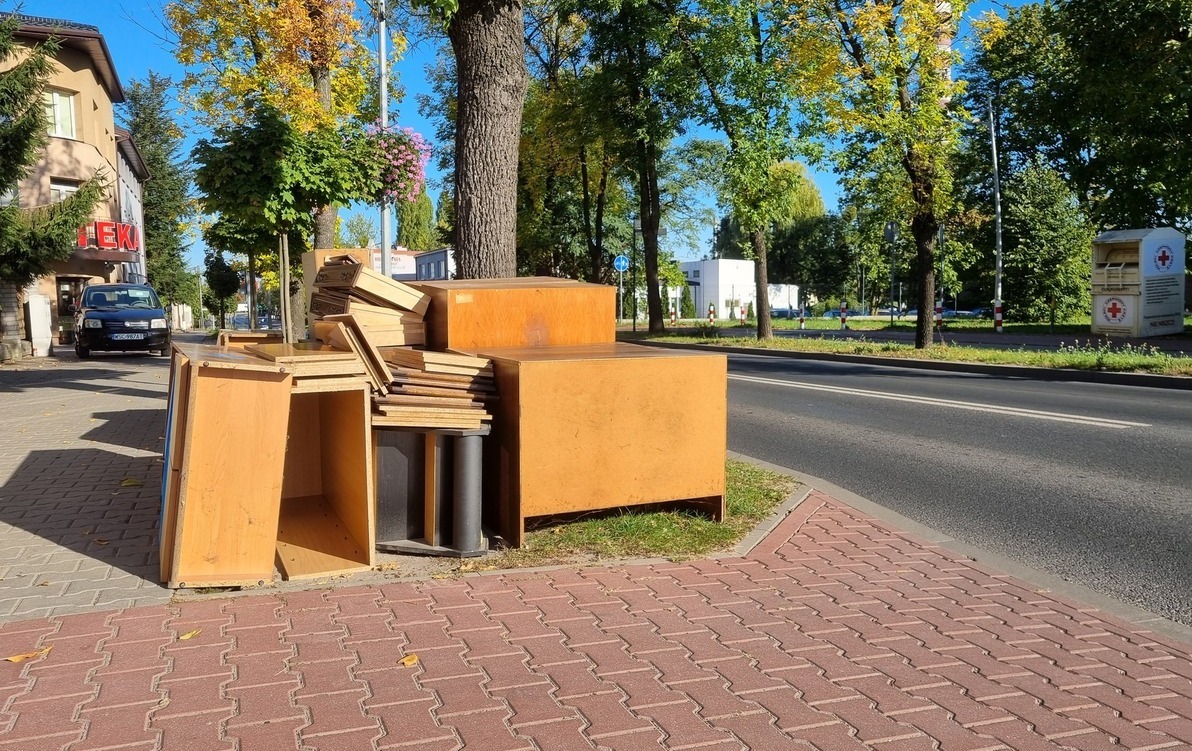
pixel 83 141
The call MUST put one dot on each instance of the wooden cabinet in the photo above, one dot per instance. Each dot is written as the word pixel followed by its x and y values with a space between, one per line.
pixel 601 426
pixel 469 314
pixel 225 449
pixel 260 472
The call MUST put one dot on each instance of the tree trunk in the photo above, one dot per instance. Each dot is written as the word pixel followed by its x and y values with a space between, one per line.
pixel 650 211
pixel 924 227
pixel 761 276
pixel 487 37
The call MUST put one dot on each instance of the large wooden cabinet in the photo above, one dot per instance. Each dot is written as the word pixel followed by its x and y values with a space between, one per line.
pixel 602 426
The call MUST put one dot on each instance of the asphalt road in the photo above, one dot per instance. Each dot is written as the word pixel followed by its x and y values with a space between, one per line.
pixel 1089 482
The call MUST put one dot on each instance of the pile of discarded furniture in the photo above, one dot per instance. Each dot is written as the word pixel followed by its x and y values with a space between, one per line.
pixel 419 416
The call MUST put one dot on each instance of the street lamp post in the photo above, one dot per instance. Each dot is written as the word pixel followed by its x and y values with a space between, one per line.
pixel 386 261
pixel 997 227
pixel 891 236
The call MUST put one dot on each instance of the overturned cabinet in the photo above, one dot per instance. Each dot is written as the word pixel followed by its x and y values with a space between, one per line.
pixel 268 462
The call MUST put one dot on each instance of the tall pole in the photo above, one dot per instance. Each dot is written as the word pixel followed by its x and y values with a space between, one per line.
pixel 386 262
pixel 997 227
pixel 633 269
pixel 891 236
pixel 199 274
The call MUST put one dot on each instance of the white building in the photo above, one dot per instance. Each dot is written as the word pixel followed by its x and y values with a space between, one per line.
pixel 435 264
pixel 729 286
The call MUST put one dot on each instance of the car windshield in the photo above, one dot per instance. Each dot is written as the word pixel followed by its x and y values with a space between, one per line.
pixel 121 297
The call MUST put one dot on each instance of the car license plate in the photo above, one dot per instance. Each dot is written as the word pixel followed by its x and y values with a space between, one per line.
pixel 125 337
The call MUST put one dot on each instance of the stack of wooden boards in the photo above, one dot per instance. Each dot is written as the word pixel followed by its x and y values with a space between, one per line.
pixel 359 311
pixel 387 311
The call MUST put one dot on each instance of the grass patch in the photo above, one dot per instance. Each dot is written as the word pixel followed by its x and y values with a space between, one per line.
pixel 1103 356
pixel 1079 327
pixel 752 494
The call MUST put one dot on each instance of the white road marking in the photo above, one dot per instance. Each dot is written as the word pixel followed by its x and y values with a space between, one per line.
pixel 1101 422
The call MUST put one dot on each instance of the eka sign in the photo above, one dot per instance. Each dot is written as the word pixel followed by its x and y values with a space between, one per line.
pixel 110 236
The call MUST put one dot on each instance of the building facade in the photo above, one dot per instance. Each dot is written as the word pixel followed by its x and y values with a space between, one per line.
pixel 435 264
pixel 728 285
pixel 84 142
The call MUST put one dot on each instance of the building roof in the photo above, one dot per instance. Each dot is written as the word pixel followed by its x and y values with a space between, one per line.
pixel 78 36
pixel 129 150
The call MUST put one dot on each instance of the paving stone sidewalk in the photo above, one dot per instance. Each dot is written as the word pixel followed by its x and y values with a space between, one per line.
pixel 834 633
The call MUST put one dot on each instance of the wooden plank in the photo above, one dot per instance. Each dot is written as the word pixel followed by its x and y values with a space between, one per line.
pixel 465 381
pixel 299 352
pixel 392 421
pixel 421 359
pixel 179 408
pixel 312 541
pixel 430 490
pixel 313 260
pixel 478 314
pixel 415 400
pixel 432 412
pixel 232 475
pixel 372 287
pixel 446 393
pixel 209 356
pixel 348 466
pixel 377 369
pixel 232 338
pixel 323 384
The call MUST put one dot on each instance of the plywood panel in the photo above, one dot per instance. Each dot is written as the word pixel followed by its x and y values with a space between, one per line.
pixel 304 447
pixel 347 465
pixel 173 453
pixel 232 476
pixel 471 314
pixel 312 541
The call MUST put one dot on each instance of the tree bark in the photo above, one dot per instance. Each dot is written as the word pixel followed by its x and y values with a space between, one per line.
pixel 487 37
pixel 761 308
pixel 924 228
pixel 650 211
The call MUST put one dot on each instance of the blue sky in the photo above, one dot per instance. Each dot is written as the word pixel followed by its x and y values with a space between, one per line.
pixel 133 30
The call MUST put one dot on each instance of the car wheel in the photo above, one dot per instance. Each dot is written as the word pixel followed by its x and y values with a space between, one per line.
pixel 82 352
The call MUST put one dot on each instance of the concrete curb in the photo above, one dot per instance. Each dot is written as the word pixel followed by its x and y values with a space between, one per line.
pixel 1132 614
pixel 1002 371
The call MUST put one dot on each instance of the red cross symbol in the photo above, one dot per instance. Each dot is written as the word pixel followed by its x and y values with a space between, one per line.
pixel 1114 310
pixel 1164 257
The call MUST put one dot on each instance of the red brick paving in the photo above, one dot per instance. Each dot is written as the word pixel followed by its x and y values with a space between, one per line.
pixel 835 633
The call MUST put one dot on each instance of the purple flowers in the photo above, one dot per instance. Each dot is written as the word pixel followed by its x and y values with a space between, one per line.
pixel 400 157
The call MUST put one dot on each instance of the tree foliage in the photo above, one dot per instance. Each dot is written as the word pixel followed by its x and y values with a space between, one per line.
pixel 279 52
pixel 416 223
pixel 222 283
pixel 165 196
pixel 876 82
pixel 1099 88
pixel 1047 241
pixel 32 239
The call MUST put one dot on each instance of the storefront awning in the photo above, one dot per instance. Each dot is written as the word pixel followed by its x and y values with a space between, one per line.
pixel 103 254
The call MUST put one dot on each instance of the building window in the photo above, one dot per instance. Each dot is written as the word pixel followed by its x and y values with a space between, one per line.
pixel 60 190
pixel 439 268
pixel 695 274
pixel 60 113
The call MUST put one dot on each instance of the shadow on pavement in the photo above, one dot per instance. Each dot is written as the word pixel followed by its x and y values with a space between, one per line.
pixel 92 503
pixel 130 428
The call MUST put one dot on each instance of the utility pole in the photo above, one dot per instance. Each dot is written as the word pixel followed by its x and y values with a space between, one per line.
pixel 997 227
pixel 386 261
pixel 891 236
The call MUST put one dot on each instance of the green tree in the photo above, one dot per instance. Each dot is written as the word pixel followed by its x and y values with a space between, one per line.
pixel 1099 88
pixel 360 231
pixel 876 83
pixel 814 253
pixel 146 115
pixel 1047 241
pixel 445 218
pixel 416 223
pixel 222 284
pixel 688 304
pixel 32 239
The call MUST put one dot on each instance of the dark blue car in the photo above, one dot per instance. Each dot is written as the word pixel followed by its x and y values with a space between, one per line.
pixel 120 317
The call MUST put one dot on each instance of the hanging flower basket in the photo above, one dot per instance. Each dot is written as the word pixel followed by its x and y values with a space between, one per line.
pixel 399 160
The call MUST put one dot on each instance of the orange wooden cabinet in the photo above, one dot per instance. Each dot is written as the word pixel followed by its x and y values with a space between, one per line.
pixel 602 426
pixel 468 314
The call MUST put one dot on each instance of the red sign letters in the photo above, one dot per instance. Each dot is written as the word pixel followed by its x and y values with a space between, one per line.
pixel 110 236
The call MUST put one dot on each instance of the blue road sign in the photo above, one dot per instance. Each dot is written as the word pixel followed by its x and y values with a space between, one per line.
pixel 621 263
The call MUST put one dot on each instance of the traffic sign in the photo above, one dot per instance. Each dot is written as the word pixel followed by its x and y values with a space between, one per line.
pixel 621 264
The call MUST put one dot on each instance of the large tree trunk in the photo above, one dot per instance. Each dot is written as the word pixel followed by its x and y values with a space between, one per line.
pixel 650 211
pixel 761 277
pixel 487 37
pixel 924 227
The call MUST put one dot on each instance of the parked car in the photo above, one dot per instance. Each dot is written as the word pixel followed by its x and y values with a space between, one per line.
pixel 120 317
pixel 831 314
